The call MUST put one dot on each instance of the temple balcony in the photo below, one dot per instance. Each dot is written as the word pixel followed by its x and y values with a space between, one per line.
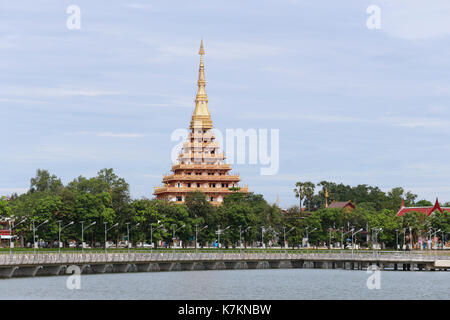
pixel 201 156
pixel 177 190
pixel 193 177
pixel 197 145
pixel 195 166
pixel 205 136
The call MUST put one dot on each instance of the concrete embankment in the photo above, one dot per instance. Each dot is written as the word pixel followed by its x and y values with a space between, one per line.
pixel 47 264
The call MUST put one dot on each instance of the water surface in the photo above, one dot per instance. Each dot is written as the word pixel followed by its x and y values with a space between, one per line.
pixel 235 284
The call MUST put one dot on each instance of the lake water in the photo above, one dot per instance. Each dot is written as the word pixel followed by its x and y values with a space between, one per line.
pixel 265 284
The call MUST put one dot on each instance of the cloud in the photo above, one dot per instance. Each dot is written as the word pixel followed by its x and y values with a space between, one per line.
pixel 217 50
pixel 319 118
pixel 415 19
pixel 111 134
pixel 9 191
pixel 57 92
pixel 138 6
pixel 418 122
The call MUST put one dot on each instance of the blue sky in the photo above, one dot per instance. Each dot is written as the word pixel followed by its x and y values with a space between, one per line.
pixel 353 105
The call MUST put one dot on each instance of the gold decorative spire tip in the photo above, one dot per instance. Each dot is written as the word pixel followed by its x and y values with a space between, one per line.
pixel 201 51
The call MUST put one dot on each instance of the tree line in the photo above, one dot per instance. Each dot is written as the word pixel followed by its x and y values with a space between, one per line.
pixel 105 199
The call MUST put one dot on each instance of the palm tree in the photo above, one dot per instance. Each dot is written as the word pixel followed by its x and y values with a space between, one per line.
pixel 299 193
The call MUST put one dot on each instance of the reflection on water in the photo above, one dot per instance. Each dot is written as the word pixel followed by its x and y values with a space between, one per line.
pixel 234 284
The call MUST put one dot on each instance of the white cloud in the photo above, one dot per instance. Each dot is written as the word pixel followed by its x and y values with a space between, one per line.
pixel 138 6
pixel 320 118
pixel 418 122
pixel 415 19
pixel 217 50
pixel 56 92
pixel 111 134
pixel 9 191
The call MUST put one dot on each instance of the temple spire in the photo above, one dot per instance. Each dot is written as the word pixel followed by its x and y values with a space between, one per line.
pixel 201 117
pixel 202 50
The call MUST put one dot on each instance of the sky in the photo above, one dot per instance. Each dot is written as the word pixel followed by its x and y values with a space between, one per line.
pixel 352 105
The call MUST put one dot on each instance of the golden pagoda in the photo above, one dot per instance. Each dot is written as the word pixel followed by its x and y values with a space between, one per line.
pixel 200 166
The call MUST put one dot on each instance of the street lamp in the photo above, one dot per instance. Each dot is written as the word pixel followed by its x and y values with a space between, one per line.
pixel 353 235
pixel 240 236
pixel 329 229
pixel 410 238
pixel 404 239
pixel 284 231
pixel 263 229
pixel 219 232
pixel 128 233
pixel 82 233
pixel 59 233
pixel 196 234
pixel 10 232
pixel 106 232
pixel 307 236
pixel 34 233
pixel 396 240
pixel 173 226
pixel 376 236
pixel 435 231
pixel 151 234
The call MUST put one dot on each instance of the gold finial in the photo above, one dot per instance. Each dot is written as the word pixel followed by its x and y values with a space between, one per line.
pixel 201 118
pixel 201 51
pixel 326 197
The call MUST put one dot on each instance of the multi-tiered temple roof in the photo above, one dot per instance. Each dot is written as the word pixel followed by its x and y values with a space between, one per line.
pixel 200 165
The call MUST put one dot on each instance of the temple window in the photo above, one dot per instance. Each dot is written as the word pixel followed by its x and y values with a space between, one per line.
pixel 179 198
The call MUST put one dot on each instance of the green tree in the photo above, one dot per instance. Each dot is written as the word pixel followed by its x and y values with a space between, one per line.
pixel 45 182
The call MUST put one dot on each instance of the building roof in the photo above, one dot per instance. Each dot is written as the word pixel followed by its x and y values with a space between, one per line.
pixel 341 205
pixel 425 210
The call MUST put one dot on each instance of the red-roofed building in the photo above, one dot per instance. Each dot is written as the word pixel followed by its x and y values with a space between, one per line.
pixel 425 210
pixel 347 205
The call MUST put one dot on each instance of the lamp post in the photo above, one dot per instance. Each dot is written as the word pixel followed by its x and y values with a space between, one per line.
pixel 219 232
pixel 329 229
pixel 34 233
pixel 240 237
pixel 82 233
pixel 376 235
pixel 59 233
pixel 151 234
pixel 10 232
pixel 404 239
pixel 173 227
pixel 284 231
pixel 396 240
pixel 196 234
pixel 353 235
pixel 307 235
pixel 128 234
pixel 435 231
pixel 410 239
pixel 263 229
pixel 106 233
